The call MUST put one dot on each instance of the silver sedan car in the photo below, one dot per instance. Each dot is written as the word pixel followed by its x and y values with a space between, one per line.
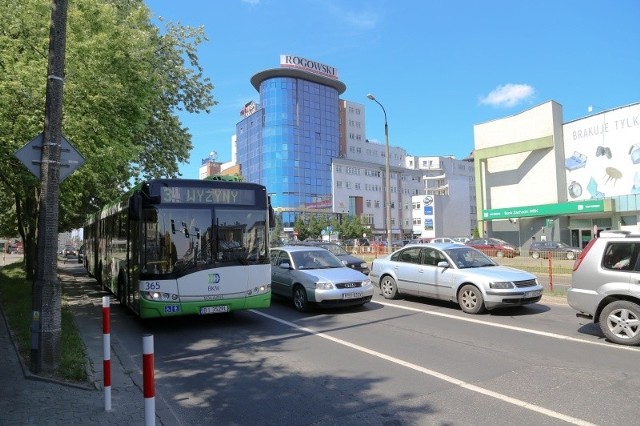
pixel 455 273
pixel 312 275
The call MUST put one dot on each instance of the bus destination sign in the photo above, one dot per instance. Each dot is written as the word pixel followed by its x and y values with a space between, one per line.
pixel 198 195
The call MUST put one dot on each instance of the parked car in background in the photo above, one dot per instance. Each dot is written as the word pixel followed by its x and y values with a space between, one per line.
pixel 347 258
pixel 553 249
pixel 459 240
pixel 442 240
pixel 605 286
pixel 463 240
pixel 493 247
pixel 455 273
pixel 314 276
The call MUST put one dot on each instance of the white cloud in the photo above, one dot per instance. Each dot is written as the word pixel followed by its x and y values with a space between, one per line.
pixel 508 95
pixel 251 2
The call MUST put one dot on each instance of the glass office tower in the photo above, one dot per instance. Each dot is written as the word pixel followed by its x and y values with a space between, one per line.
pixel 288 143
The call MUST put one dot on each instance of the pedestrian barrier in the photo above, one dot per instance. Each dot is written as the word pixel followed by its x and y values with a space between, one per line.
pixel 106 349
pixel 149 389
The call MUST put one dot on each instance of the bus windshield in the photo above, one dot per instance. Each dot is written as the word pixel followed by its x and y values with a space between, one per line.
pixel 176 240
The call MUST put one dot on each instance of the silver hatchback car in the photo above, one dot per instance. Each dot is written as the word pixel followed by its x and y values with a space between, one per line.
pixel 456 273
pixel 313 275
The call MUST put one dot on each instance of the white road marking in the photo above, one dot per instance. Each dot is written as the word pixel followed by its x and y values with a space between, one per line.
pixel 510 327
pixel 432 373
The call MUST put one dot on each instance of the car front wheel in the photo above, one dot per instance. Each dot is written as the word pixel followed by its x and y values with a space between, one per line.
pixel 300 300
pixel 389 287
pixel 620 322
pixel 470 299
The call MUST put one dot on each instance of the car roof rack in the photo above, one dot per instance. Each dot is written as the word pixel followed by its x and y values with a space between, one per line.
pixel 619 233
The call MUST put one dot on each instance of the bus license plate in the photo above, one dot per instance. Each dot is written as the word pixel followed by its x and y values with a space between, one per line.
pixel 214 309
pixel 352 295
pixel 532 293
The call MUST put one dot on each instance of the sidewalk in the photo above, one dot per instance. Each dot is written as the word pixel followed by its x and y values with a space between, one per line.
pixel 26 399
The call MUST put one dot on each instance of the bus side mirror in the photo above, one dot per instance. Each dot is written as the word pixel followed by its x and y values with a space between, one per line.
pixel 272 216
pixel 135 207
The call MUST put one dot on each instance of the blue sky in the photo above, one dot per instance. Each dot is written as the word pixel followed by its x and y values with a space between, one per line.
pixel 438 67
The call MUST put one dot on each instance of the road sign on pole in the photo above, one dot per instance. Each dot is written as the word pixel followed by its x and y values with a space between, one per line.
pixel 31 156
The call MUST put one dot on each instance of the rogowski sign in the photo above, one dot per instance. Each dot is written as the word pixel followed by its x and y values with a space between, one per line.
pixel 290 61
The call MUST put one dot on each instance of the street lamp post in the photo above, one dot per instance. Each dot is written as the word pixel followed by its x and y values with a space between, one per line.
pixel 387 174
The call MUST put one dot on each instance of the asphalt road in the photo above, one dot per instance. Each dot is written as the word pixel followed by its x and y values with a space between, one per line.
pixel 405 362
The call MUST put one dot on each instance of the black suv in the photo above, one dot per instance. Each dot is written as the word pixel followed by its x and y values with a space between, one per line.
pixel 348 259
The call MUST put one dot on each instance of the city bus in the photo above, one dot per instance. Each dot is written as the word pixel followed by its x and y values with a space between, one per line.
pixel 164 249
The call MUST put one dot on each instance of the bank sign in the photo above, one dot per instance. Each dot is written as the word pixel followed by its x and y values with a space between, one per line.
pixel 290 61
pixel 591 206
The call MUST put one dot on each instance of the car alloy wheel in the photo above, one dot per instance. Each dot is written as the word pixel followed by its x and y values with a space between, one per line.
pixel 300 300
pixel 620 322
pixel 470 299
pixel 388 287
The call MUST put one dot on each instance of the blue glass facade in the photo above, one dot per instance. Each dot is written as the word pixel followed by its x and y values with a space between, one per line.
pixel 289 142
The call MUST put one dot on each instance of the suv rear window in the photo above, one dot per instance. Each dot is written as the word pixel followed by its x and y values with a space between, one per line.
pixel 620 255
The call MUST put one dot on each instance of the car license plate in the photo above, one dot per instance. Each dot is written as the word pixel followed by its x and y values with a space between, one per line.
pixel 533 293
pixel 352 295
pixel 214 309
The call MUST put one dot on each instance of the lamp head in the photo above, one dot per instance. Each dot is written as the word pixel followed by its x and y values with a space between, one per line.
pixel 370 96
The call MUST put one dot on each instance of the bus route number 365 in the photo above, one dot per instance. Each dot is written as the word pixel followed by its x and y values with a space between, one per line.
pixel 151 285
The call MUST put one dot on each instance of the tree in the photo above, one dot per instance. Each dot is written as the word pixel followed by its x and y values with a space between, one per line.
pixel 124 80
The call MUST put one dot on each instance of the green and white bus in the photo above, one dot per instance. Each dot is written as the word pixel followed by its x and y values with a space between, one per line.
pixel 184 247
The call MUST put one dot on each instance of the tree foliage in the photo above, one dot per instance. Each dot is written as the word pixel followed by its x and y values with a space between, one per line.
pixel 347 227
pixel 124 81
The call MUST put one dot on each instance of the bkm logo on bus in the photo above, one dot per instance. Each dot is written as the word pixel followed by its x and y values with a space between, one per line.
pixel 214 278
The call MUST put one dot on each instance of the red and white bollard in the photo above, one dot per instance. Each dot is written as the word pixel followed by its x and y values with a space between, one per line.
pixel 149 389
pixel 106 350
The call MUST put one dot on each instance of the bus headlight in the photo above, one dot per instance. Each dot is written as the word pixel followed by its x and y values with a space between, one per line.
pixel 158 297
pixel 265 288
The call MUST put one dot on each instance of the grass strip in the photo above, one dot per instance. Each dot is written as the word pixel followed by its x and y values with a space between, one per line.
pixel 16 300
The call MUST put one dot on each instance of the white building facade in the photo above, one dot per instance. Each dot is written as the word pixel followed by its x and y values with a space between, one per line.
pixel 447 208
pixel 540 178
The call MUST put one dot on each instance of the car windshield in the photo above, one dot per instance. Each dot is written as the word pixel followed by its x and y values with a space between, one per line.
pixel 467 257
pixel 315 259
pixel 335 249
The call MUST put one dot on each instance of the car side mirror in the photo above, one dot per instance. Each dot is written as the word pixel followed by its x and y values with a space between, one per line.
pixel 284 265
pixel 443 264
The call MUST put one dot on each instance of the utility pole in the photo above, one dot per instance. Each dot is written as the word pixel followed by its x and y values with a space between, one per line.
pixel 46 319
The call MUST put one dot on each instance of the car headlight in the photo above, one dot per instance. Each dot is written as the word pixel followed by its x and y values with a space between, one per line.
pixel 324 286
pixel 364 265
pixel 366 283
pixel 503 285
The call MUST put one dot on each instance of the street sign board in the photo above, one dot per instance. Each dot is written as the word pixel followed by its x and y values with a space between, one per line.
pixel 31 156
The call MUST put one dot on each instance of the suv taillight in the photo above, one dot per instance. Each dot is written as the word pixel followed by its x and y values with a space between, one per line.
pixel 582 255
